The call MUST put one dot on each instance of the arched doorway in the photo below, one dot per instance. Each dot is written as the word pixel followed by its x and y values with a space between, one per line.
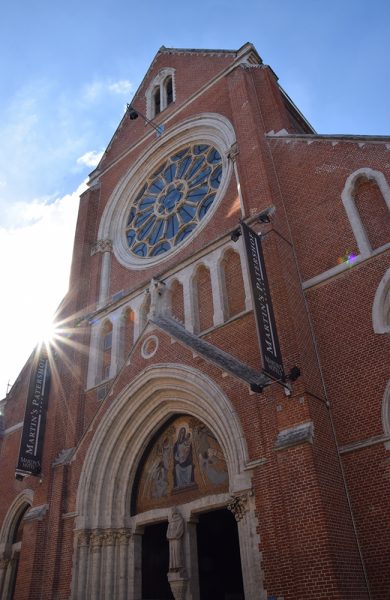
pixel 184 466
pixel 124 490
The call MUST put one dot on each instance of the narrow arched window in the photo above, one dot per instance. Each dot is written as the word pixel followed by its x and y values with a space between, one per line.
pixel 157 101
pixel 204 299
pixel 169 90
pixel 15 539
pixel 366 199
pixel 106 350
pixel 373 212
pixel 234 284
pixel 177 301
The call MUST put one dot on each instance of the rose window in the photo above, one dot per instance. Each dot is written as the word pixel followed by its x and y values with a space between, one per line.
pixel 174 200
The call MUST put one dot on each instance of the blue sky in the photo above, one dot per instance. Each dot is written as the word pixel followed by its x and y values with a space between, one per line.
pixel 67 71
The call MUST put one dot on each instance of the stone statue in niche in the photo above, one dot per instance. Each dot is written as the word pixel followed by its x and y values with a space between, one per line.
pixel 175 533
pixel 183 467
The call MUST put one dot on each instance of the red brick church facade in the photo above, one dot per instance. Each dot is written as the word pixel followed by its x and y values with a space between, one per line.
pixel 158 397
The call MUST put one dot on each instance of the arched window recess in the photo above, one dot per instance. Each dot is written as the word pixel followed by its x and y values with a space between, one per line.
pixel 355 219
pixel 161 92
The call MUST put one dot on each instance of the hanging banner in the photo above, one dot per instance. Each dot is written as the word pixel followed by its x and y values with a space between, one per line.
pixel 31 445
pixel 265 319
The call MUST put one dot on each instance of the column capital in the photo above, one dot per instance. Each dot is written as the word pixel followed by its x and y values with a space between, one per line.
pixel 123 536
pixel 238 504
pixel 97 538
pixel 101 246
pixel 83 538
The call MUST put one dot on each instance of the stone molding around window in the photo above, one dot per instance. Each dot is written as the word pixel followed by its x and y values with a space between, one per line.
pixel 351 209
pixel 205 128
pixel 381 306
pixel 159 82
pixel 386 413
pixel 363 243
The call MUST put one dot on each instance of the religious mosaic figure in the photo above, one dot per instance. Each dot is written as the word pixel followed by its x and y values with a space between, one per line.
pixel 160 471
pixel 211 459
pixel 183 470
pixel 186 456
pixel 175 533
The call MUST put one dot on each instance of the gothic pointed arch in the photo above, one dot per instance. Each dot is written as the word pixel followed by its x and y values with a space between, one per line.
pixel 10 542
pixel 362 227
pixel 177 300
pixel 234 290
pixel 105 527
pixel 104 369
pixel 122 437
pixel 203 295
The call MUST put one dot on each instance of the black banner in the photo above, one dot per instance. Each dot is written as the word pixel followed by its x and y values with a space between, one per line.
pixel 265 319
pixel 31 445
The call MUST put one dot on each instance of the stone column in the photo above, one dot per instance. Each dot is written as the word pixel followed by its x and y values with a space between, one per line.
pixel 243 511
pixel 108 564
pixel 4 564
pixel 80 566
pixel 9 575
pixel 116 348
pixel 136 306
pixel 135 561
pixel 191 552
pixel 96 561
pixel 217 291
pixel 188 300
pixel 122 586
pixel 105 247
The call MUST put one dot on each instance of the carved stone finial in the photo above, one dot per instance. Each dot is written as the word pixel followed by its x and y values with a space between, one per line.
pixel 101 246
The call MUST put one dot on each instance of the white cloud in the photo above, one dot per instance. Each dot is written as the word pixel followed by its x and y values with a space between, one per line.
pixel 90 159
pixel 95 90
pixel 34 277
pixel 121 87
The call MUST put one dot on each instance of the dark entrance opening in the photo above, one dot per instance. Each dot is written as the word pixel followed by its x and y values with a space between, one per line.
pixel 155 563
pixel 220 576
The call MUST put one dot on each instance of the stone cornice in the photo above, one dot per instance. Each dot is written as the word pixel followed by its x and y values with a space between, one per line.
pixel 333 138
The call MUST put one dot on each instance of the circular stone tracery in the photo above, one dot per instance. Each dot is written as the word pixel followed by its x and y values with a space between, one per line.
pixel 173 200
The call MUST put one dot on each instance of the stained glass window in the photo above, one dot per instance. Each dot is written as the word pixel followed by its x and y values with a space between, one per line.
pixel 173 200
